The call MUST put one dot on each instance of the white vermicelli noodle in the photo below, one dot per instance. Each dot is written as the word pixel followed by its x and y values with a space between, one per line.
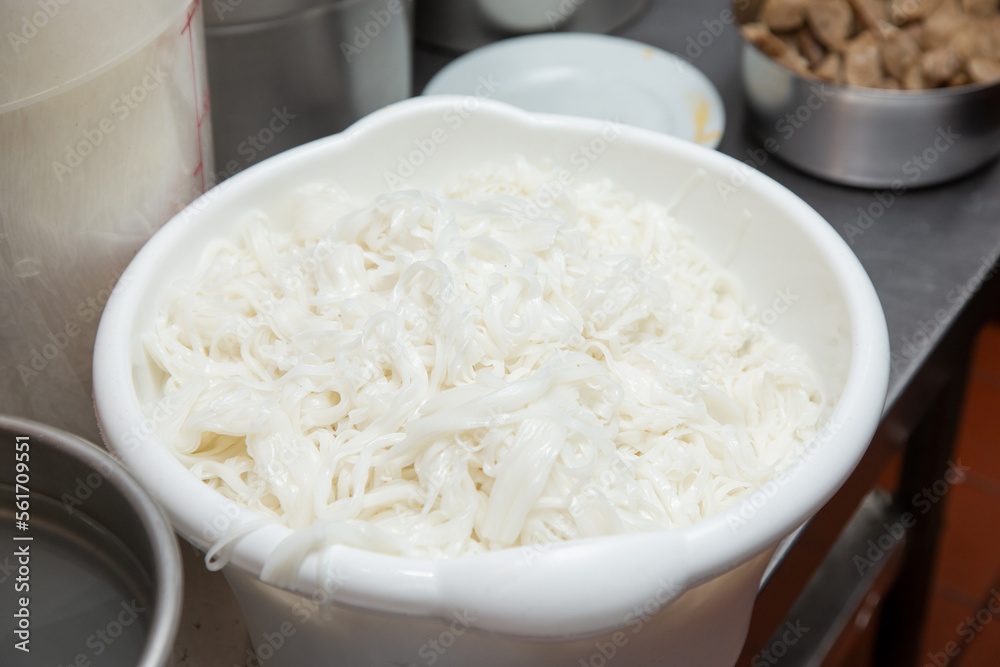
pixel 437 375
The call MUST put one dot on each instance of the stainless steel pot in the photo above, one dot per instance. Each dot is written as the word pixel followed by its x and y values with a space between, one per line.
pixel 90 572
pixel 282 73
pixel 869 137
pixel 463 25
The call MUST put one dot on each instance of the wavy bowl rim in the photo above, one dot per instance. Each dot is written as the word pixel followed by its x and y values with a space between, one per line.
pixel 397 585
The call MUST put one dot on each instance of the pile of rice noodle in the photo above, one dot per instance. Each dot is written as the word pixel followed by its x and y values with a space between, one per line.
pixel 436 375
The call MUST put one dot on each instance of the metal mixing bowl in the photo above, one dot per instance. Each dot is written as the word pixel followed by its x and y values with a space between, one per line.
pixel 869 137
pixel 89 558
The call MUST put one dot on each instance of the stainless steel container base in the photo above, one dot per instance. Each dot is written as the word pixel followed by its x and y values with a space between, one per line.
pixel 89 596
pixel 90 573
pixel 869 137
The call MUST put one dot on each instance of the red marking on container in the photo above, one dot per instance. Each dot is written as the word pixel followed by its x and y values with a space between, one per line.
pixel 190 16
pixel 199 114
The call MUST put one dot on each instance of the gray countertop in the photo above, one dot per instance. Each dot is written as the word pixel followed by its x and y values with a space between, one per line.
pixel 925 255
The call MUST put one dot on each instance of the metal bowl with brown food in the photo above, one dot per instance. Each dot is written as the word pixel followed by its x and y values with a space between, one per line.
pixel 878 93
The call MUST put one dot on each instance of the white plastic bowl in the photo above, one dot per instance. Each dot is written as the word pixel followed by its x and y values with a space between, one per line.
pixel 679 597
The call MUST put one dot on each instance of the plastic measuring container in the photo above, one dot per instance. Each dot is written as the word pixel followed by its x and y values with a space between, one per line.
pixel 104 135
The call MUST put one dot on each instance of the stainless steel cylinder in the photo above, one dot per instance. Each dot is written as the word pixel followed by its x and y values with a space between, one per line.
pixel 282 73
pixel 870 137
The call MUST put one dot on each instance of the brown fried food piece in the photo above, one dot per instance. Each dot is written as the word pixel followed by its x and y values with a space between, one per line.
pixel 784 15
pixel 942 25
pixel 782 50
pixel 939 65
pixel 959 79
pixel 914 78
pixel 983 71
pixel 980 7
pixel 899 52
pixel 831 68
pixel 863 62
pixel 993 27
pixel 807 45
pixel 914 30
pixel 791 57
pixel 831 21
pixel 904 11
pixel 872 14
pixel 761 36
pixel 975 40
pixel 936 43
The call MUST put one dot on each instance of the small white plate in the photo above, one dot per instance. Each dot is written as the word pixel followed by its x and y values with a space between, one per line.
pixel 598 76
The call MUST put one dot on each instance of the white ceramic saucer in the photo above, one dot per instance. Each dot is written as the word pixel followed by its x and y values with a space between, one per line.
pixel 597 76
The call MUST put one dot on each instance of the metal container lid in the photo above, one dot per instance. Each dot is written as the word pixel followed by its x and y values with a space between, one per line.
pixel 463 25
pixel 235 12
pixel 90 571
